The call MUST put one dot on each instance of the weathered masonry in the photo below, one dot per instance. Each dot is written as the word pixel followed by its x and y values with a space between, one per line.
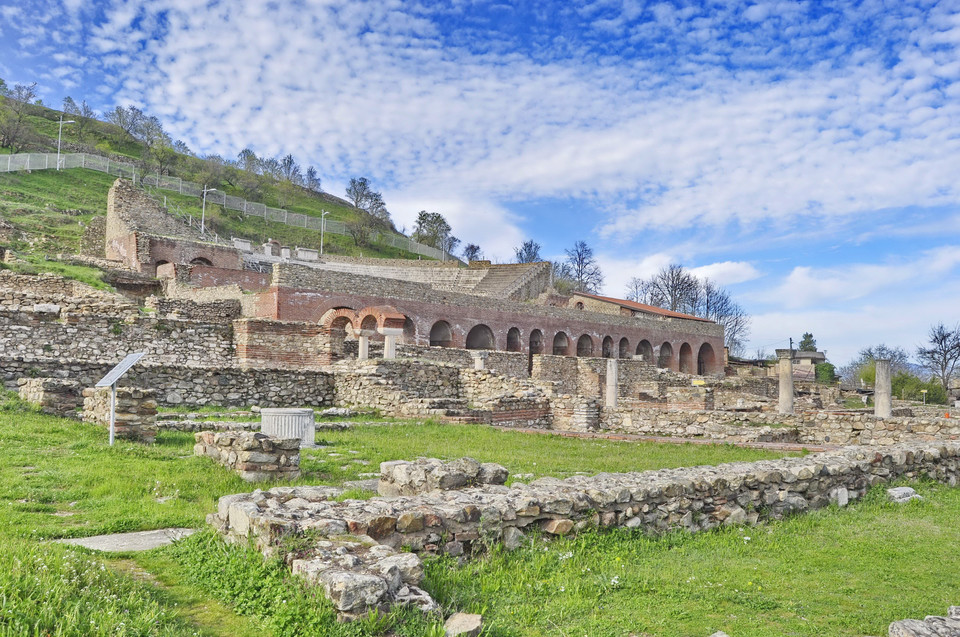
pixel 504 308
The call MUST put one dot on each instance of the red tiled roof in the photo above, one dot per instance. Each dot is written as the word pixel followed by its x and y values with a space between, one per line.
pixel 643 307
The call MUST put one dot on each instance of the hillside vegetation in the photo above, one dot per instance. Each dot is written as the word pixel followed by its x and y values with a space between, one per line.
pixel 45 211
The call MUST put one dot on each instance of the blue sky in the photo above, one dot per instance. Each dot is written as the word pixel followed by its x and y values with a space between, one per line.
pixel 803 154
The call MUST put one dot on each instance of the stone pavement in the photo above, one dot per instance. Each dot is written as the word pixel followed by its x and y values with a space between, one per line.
pixel 137 541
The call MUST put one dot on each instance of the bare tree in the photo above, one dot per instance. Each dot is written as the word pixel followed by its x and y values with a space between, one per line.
pixel 943 353
pixel 360 230
pixel 673 288
pixel 14 131
pixel 898 357
pixel 563 281
pixel 127 118
pixel 472 252
pixel 312 179
pixel 378 209
pixel 528 252
pixel 358 191
pixel 584 268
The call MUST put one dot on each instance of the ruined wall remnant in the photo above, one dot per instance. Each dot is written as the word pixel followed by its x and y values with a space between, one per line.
pixel 253 455
pixel 457 522
pixel 136 411
pixel 56 396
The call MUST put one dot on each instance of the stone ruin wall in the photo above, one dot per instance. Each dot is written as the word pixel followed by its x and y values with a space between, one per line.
pixel 135 416
pixel 805 427
pixel 211 311
pixel 463 521
pixel 253 455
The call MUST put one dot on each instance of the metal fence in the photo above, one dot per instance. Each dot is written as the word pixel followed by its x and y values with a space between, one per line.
pixel 45 161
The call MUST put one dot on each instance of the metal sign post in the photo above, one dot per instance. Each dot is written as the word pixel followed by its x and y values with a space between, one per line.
pixel 110 380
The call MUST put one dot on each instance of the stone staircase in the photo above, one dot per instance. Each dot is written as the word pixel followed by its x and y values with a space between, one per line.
pixel 453 410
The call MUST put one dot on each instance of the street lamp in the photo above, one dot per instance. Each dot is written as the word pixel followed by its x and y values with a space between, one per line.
pixel 323 223
pixel 203 210
pixel 60 135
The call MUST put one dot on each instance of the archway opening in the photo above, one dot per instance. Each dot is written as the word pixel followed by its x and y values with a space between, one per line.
pixel 409 331
pixel 369 324
pixel 645 349
pixel 341 331
pixel 584 346
pixel 623 350
pixel 561 344
pixel 686 359
pixel 665 360
pixel 441 335
pixel 513 340
pixel 607 347
pixel 201 261
pixel 706 360
pixel 480 337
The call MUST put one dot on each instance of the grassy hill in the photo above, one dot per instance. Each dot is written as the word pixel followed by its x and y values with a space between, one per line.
pixel 48 209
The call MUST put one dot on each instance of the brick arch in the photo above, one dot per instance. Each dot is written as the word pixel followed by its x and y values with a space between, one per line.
pixel 706 360
pixel 331 316
pixel 514 340
pixel 441 334
pixel 645 349
pixel 386 316
pixel 623 348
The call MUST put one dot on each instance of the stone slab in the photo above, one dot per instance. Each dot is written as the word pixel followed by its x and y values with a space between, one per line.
pixel 136 541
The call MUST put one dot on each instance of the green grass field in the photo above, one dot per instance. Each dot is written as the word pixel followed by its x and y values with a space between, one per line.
pixel 832 572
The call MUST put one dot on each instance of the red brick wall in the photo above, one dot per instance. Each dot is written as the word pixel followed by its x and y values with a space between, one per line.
pixel 262 343
pixel 308 306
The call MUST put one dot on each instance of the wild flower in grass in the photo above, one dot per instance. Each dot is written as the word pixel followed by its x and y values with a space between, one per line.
pixel 615 582
pixel 565 556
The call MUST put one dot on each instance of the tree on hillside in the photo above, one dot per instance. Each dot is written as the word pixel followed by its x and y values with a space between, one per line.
pixel 562 275
pixel 807 343
pixel 358 191
pixel 290 170
pixel 432 229
pixel 14 132
pixel 83 115
pixel 584 268
pixel 248 161
pixel 377 209
pixel 672 288
pixel 472 252
pixel 127 118
pixel 528 252
pixel 312 179
pixel 942 354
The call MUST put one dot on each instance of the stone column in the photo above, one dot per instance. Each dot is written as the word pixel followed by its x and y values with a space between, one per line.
pixel 479 359
pixel 786 384
pixel 390 335
pixel 363 344
pixel 613 382
pixel 882 399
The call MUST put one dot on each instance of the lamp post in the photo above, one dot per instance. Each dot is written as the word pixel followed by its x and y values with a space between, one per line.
pixel 60 136
pixel 323 223
pixel 203 210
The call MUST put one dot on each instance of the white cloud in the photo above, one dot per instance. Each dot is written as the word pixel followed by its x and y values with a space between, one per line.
pixel 806 286
pixel 727 272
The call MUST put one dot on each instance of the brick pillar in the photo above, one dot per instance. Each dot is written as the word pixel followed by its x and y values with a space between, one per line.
pixel 882 390
pixel 613 382
pixel 786 384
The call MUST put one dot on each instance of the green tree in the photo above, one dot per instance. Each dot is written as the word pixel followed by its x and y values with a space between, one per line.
pixel 825 373
pixel 433 230
pixel 14 131
pixel 807 343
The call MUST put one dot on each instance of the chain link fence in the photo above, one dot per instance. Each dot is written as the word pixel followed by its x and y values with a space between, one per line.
pixel 48 161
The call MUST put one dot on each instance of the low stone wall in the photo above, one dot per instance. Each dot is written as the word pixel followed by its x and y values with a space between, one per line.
pixel 812 427
pixel 423 475
pixel 693 499
pixel 253 455
pixel 214 311
pixel 53 395
pixel 192 386
pixel 506 363
pixel 136 411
